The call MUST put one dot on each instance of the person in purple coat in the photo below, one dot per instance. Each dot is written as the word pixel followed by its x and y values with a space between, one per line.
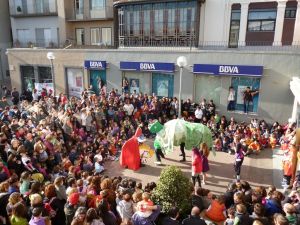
pixel 204 151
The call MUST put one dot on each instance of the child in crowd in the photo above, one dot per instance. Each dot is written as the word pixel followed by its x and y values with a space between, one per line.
pixel 217 210
pixel 231 215
pixel 146 206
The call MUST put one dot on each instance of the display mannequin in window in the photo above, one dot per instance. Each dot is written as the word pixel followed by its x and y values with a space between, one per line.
pixel 248 97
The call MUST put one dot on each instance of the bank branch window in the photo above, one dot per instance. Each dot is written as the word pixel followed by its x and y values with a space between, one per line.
pixel 262 20
pixel 240 85
pixel 211 93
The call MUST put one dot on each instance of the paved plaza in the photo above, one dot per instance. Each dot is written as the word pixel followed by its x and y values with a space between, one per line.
pixel 263 169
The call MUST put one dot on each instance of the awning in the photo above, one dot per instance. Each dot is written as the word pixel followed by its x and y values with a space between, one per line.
pixel 148 66
pixel 229 70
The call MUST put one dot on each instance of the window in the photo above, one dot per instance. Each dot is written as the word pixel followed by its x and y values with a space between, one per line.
pixel 168 24
pixel 24 36
pixel 79 6
pixel 290 13
pixel 95 36
pixel 28 78
pixel 97 4
pixel 80 36
pixel 43 37
pixel 234 28
pixel 261 20
pixel 106 36
pixel 44 74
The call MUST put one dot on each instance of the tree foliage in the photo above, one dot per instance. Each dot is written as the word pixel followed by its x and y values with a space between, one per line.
pixel 173 189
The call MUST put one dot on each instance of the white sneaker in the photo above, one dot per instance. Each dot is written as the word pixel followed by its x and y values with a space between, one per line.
pixel 157 162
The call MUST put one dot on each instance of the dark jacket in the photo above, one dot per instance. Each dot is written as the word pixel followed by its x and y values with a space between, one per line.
pixel 198 201
pixel 229 199
pixel 244 219
pixel 58 206
pixel 69 212
pixel 169 221
pixel 193 220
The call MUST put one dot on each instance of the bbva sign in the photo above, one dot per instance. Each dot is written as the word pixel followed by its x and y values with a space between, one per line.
pixel 96 64
pixel 147 66
pixel 229 69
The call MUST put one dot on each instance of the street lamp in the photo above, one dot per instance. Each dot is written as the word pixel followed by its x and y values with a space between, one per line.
pixel 181 62
pixel 51 57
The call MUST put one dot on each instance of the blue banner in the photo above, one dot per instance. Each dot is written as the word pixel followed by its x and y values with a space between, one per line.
pixel 148 66
pixel 231 70
pixel 94 64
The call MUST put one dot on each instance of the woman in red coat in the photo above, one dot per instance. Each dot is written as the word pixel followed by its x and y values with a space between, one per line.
pixel 196 166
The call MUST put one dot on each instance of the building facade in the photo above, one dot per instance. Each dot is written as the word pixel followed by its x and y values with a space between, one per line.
pixel 5 42
pixel 227 43
pixel 63 23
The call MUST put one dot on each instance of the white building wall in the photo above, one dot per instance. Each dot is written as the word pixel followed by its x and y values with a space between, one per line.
pixel 215 21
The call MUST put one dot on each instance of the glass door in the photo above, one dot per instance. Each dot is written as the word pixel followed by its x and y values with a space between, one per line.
pixel 97 80
pixel 240 84
pixel 163 84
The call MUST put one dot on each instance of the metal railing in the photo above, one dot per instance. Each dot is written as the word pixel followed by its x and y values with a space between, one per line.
pixel 30 43
pixel 33 8
pixel 158 41
pixel 93 14
pixel 159 46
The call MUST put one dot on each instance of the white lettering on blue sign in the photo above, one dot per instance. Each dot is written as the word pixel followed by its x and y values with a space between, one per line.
pixel 95 64
pixel 229 69
pixel 147 66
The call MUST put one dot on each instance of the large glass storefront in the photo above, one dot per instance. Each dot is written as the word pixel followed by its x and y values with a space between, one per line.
pixel 148 78
pixel 159 24
pixel 209 80
pixel 97 75
pixel 74 82
pixel 32 76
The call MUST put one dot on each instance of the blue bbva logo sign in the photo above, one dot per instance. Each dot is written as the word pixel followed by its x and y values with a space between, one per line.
pixel 147 66
pixel 92 64
pixel 229 69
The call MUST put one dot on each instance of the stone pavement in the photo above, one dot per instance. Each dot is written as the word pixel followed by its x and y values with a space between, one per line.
pixel 263 169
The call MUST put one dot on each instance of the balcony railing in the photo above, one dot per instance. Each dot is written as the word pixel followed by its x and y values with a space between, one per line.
pixel 93 14
pixel 19 8
pixel 40 43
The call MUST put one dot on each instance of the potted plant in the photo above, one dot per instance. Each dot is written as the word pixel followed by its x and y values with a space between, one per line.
pixel 19 9
pixel 173 189
pixel 30 44
pixel 51 44
pixel 17 43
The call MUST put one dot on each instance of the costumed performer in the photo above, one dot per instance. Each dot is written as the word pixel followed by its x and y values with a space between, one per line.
pixel 130 154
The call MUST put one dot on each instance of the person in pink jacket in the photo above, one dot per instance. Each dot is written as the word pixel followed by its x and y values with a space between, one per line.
pixel 196 166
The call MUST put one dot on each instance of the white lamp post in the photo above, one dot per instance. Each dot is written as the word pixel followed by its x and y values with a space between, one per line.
pixel 181 62
pixel 51 57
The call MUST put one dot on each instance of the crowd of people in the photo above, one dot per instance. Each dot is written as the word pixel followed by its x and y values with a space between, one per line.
pixel 53 153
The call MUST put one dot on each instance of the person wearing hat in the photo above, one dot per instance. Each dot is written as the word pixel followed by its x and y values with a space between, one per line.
pixel 71 207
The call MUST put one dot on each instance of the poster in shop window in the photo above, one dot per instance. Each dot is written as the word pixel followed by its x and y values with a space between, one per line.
pixel 134 85
pixel 240 94
pixel 75 82
pixel 40 86
pixel 163 88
